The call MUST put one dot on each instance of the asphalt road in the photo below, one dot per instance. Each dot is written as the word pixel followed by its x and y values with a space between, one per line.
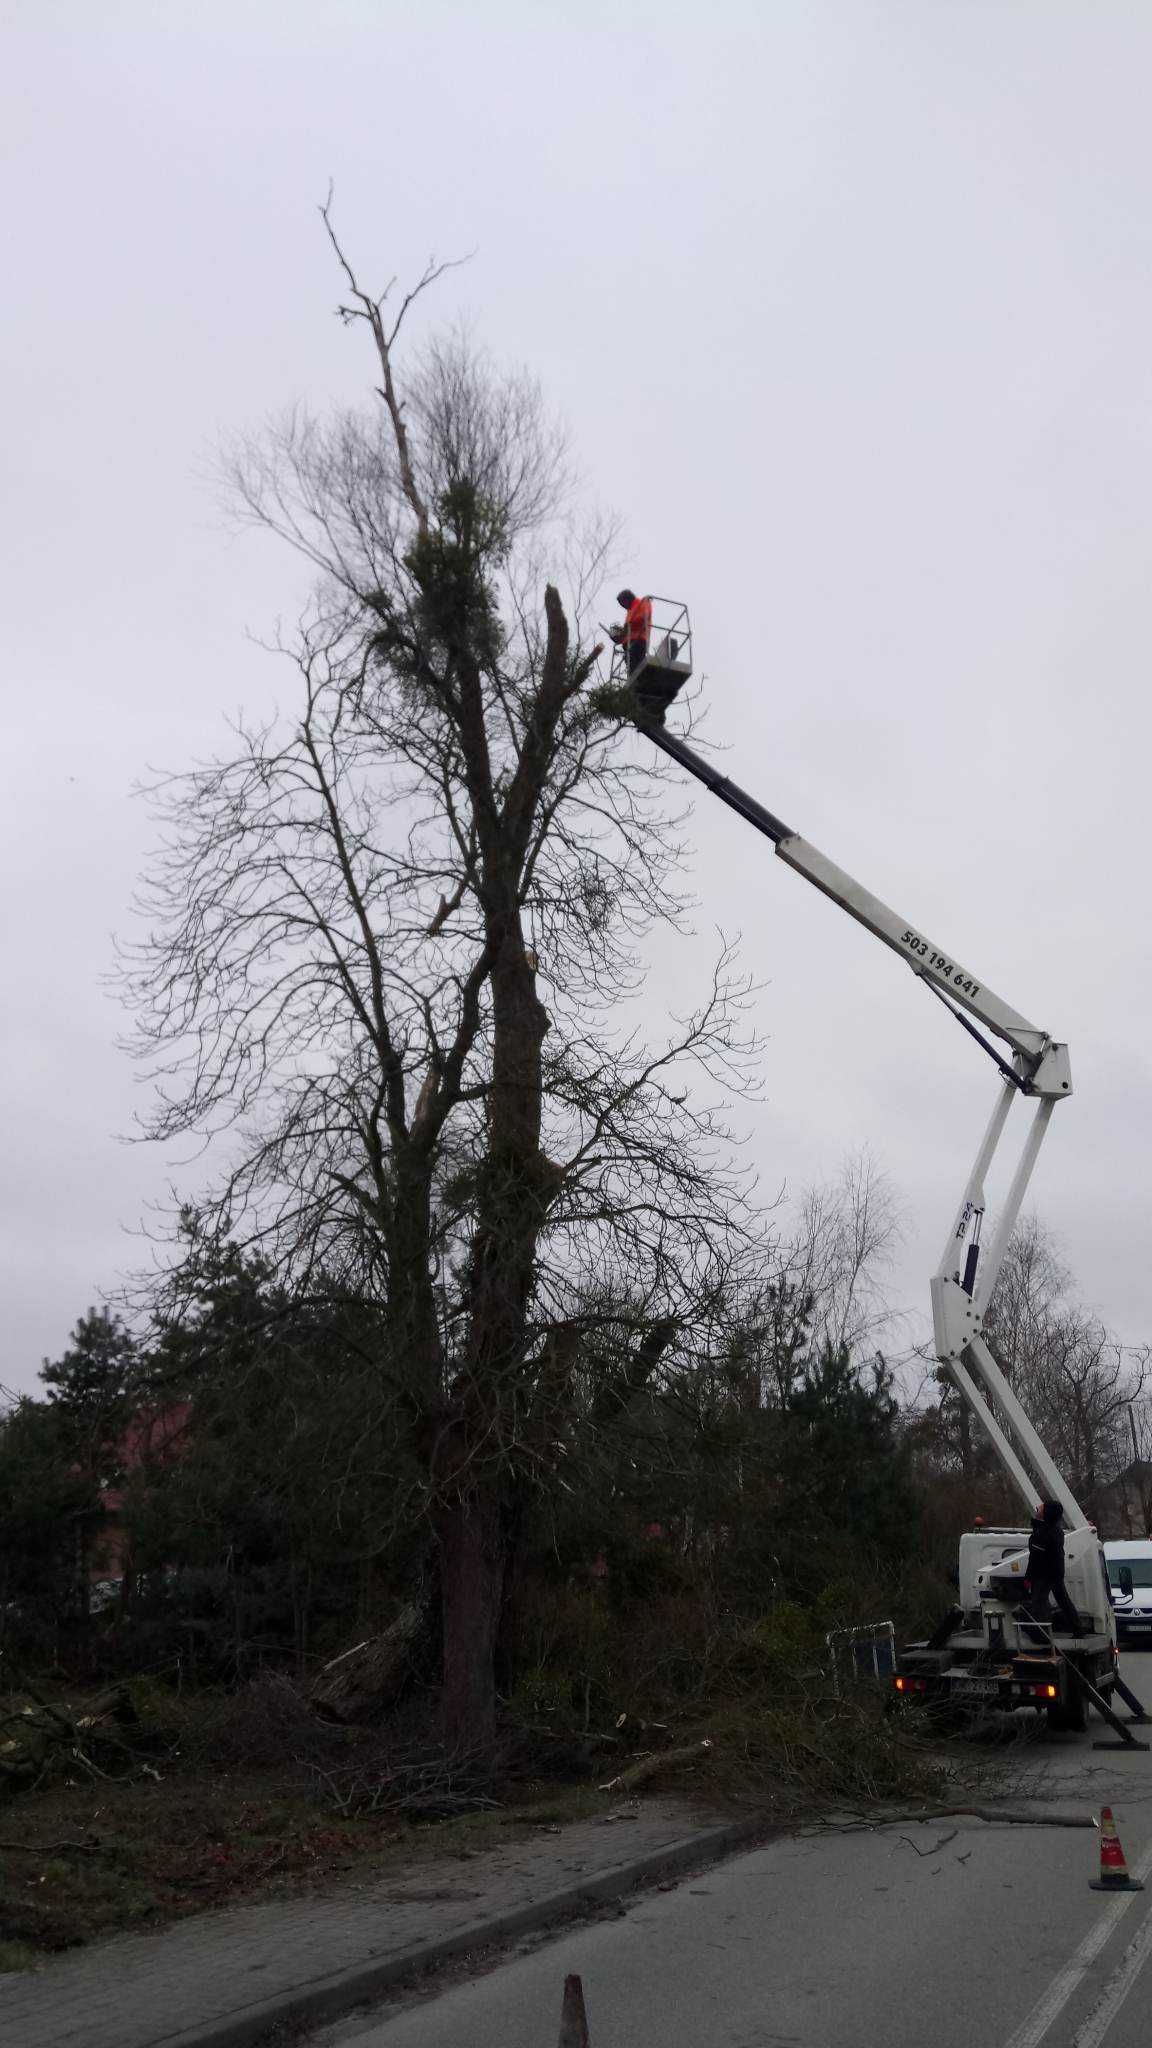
pixel 951 1933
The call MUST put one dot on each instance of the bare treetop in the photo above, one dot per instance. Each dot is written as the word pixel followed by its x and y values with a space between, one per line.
pixel 372 310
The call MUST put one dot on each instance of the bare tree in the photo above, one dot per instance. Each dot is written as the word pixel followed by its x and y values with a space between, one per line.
pixel 839 1253
pixel 1034 1283
pixel 820 1289
pixel 1136 1479
pixel 1075 1377
pixel 391 942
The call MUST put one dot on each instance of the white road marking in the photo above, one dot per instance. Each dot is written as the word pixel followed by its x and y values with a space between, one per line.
pixel 1052 2002
pixel 1116 1990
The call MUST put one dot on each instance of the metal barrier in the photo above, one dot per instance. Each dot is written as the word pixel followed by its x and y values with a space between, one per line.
pixel 871 1647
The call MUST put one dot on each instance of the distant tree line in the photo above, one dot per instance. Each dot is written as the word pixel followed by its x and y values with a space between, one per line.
pixel 235 1474
pixel 1087 1392
pixel 228 1487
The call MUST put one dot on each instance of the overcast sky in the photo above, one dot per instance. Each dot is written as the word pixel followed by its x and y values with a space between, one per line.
pixel 848 306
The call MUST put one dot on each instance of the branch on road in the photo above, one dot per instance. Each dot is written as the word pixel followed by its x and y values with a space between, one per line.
pixel 936 1847
pixel 1006 1816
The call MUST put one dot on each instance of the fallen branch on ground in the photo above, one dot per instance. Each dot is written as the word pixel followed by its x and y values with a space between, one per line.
pixel 418 1788
pixel 649 1766
pixel 1006 1815
pixel 51 1848
pixel 45 1734
pixel 936 1847
pixel 573 1735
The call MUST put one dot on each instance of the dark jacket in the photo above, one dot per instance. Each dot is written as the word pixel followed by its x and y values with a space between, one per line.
pixel 1046 1553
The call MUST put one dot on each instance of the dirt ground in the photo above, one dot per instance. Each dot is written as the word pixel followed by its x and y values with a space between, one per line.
pixel 78 1861
pixel 160 1805
pixel 127 1812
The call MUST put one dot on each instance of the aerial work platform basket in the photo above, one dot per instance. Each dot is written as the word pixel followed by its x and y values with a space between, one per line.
pixel 668 662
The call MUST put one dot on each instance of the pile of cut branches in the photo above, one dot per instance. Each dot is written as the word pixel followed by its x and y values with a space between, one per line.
pixel 433 1785
pixel 39 1736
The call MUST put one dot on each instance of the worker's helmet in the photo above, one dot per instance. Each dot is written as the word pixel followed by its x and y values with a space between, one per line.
pixel 625 597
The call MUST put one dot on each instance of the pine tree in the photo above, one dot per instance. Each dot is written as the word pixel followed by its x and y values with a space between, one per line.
pixel 94 1387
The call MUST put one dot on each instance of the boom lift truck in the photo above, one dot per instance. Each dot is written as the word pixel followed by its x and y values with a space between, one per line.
pixel 988 1652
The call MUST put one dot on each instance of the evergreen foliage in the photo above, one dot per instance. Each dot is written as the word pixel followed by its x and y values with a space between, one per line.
pixel 46 1501
pixel 94 1386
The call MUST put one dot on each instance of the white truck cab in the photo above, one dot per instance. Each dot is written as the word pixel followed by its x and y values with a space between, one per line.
pixel 1129 1566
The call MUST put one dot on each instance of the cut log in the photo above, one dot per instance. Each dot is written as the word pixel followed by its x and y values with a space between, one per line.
pixel 367 1679
pixel 651 1766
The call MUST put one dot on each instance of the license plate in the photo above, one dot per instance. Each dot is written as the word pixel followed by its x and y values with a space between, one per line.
pixel 981 1687
pixel 1138 1627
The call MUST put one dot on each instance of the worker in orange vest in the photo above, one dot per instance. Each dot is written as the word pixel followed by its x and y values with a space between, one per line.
pixel 636 631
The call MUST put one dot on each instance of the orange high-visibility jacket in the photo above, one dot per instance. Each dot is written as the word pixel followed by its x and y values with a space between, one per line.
pixel 638 624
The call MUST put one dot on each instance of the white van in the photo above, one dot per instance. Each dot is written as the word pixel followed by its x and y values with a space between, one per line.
pixel 1130 1578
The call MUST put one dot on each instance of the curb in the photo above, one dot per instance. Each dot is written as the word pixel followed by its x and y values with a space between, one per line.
pixel 329 1997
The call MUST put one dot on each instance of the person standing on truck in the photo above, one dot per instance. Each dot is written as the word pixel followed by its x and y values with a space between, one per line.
pixel 1046 1568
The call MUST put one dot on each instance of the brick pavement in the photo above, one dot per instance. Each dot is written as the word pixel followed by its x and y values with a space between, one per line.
pixel 224 1979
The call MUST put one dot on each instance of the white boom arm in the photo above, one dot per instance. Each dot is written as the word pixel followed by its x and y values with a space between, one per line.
pixel 1037 1066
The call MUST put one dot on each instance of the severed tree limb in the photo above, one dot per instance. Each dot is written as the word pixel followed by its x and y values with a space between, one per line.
pixel 649 1766
pixel 52 1848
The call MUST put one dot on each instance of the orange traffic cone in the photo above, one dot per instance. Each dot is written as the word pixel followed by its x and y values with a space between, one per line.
pixel 573 2018
pixel 1113 1864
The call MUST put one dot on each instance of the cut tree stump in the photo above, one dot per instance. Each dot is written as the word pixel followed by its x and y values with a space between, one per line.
pixel 369 1677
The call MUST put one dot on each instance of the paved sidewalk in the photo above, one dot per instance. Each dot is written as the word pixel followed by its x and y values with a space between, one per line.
pixel 225 1979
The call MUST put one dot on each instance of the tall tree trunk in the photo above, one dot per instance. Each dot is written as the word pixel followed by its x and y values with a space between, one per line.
pixel 472 1558
pixel 518 1185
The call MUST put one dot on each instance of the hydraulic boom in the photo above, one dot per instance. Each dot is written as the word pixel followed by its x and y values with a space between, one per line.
pixel 1035 1065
